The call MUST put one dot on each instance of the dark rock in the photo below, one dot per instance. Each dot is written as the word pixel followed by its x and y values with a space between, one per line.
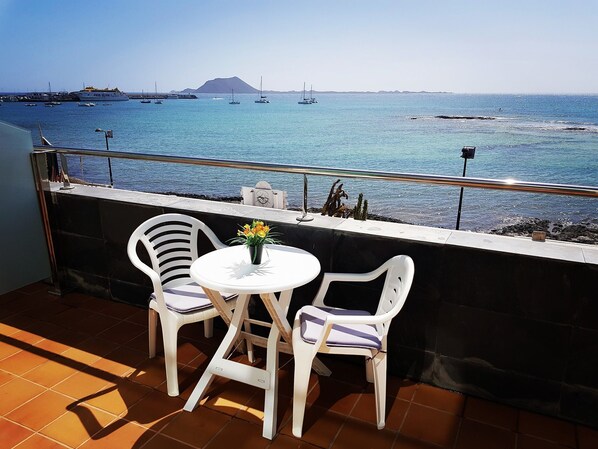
pixel 464 117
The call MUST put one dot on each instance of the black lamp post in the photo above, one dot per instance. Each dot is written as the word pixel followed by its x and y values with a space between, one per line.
pixel 466 153
pixel 107 135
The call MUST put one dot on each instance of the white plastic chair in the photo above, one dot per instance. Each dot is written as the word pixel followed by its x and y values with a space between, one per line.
pixel 318 328
pixel 171 242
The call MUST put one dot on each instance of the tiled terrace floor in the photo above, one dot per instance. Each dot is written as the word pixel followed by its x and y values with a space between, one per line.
pixel 74 373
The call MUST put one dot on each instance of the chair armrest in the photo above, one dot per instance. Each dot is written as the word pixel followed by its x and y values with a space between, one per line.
pixel 344 277
pixel 136 261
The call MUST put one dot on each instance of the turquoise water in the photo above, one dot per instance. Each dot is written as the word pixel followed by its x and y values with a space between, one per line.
pixel 528 140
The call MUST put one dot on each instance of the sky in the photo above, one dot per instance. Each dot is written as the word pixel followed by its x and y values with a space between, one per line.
pixel 459 46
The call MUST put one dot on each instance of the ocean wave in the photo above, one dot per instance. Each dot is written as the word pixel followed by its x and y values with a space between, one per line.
pixel 514 123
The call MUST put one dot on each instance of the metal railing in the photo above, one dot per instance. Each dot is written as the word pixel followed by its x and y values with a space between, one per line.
pixel 496 184
pixel 481 183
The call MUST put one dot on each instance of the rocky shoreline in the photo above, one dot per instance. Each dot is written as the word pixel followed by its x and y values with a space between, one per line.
pixel 582 232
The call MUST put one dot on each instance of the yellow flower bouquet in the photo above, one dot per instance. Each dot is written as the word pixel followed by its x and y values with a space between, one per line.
pixel 255 235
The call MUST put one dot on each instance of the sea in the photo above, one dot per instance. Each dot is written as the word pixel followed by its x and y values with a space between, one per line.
pixel 536 138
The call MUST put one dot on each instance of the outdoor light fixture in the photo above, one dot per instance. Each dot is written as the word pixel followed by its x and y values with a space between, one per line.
pixel 107 135
pixel 466 153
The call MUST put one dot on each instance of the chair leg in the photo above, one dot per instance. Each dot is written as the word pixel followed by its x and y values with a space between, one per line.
pixel 379 368
pixel 369 369
pixel 152 326
pixel 208 328
pixel 303 361
pixel 169 335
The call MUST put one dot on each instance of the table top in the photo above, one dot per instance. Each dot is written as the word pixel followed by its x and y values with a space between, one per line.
pixel 230 269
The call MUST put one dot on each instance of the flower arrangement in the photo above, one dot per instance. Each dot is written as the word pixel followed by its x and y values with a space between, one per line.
pixel 255 234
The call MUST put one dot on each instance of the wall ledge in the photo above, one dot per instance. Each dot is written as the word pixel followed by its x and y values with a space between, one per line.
pixel 564 251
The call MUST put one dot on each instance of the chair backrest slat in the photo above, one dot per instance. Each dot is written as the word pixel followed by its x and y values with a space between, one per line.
pixel 171 242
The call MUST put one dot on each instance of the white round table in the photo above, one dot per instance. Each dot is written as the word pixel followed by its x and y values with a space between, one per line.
pixel 230 270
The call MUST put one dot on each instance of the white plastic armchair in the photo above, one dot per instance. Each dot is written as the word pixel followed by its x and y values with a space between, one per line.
pixel 319 328
pixel 171 242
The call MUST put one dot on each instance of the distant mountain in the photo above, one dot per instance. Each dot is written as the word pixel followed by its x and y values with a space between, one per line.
pixel 224 85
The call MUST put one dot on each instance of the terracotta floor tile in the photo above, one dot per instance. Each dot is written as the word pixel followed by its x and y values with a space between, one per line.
pixel 228 396
pixel 150 372
pixel 491 413
pixel 319 426
pixel 38 441
pixel 7 349
pixel 161 442
pixel 5 377
pixel 141 344
pixel 119 434
pixel 230 436
pixel 7 329
pixel 187 351
pixel 365 409
pixel 117 310
pixel 361 435
pixel 120 362
pixel 197 427
pixel 50 373
pixel 403 442
pixel 474 434
pixel 430 425
pixel 93 323
pixel 122 332
pixel 52 346
pixel 286 442
pixel 12 434
pixel 402 388
pixel 528 442
pixel 154 410
pixel 119 397
pixel 28 337
pixel 346 372
pixel 546 428
pixel 587 438
pixel 77 425
pixel 138 317
pixel 253 411
pixel 81 385
pixel 188 378
pixel 17 392
pixel 41 410
pixel 21 362
pixel 333 395
pixel 435 397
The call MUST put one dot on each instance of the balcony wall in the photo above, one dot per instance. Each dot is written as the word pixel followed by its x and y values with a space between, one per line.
pixel 502 318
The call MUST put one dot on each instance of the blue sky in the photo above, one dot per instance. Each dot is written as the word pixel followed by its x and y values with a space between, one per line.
pixel 459 46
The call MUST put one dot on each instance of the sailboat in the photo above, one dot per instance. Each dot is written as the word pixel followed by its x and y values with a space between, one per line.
pixel 51 103
pixel 311 95
pixel 232 98
pixel 262 98
pixel 305 100
pixel 157 100
pixel 143 99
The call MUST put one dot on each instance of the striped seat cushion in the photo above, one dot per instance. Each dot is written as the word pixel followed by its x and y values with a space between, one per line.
pixel 188 298
pixel 350 335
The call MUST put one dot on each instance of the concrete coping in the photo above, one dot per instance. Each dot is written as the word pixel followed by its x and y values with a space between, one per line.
pixel 550 249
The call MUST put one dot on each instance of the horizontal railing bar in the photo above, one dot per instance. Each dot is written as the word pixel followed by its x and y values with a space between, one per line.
pixel 481 183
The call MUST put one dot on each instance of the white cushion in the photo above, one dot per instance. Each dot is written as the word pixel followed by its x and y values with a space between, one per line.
pixel 188 298
pixel 347 335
